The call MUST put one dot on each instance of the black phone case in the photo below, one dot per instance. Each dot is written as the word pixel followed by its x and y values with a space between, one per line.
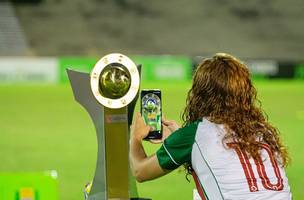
pixel 152 134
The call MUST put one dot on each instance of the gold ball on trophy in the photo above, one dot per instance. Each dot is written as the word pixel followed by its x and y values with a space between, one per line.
pixel 115 81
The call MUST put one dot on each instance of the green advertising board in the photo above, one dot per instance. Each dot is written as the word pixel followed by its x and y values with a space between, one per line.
pixel 84 64
pixel 299 71
pixel 170 68
pixel 165 68
pixel 29 186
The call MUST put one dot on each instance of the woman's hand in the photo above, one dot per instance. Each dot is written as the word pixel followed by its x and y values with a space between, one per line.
pixel 169 126
pixel 139 129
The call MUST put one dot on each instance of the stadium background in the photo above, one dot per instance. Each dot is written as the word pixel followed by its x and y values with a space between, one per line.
pixel 43 128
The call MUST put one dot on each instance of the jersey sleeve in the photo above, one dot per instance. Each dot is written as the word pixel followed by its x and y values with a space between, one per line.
pixel 176 149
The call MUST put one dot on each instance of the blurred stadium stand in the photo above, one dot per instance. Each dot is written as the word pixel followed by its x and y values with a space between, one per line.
pixel 12 40
pixel 249 29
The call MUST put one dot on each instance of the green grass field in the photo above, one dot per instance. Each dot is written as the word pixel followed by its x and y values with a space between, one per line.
pixel 43 128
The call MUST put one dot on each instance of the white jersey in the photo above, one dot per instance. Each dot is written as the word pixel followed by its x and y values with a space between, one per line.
pixel 223 172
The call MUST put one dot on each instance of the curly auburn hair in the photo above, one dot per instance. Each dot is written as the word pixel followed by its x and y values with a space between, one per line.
pixel 223 93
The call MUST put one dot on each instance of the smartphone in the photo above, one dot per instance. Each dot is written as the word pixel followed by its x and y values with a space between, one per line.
pixel 151 111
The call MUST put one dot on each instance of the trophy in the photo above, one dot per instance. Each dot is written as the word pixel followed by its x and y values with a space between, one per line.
pixel 109 95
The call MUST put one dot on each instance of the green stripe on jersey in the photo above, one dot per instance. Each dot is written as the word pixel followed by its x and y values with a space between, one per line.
pixel 176 149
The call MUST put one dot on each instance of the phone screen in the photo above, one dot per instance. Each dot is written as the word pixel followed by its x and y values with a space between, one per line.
pixel 151 112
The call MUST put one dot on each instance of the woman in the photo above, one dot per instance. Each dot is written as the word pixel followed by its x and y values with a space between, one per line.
pixel 232 150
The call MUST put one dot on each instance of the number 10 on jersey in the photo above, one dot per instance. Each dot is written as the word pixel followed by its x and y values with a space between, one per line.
pixel 247 167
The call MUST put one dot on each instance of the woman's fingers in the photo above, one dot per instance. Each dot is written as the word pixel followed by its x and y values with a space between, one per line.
pixel 171 124
pixel 139 129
